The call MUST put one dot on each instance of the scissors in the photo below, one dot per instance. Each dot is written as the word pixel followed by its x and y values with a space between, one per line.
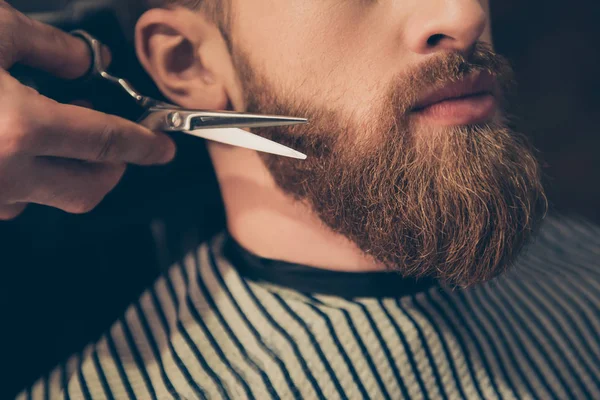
pixel 219 126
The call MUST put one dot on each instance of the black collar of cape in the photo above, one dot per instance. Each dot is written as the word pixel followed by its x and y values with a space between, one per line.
pixel 311 280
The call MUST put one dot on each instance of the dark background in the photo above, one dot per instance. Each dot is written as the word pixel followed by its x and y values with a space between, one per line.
pixel 65 278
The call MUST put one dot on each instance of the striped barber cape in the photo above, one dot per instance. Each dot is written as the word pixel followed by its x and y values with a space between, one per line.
pixel 216 327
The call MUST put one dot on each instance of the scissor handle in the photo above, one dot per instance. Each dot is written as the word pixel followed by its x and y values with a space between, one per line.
pixel 97 66
pixel 98 69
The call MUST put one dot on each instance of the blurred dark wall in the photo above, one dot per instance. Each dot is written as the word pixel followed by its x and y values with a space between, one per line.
pixel 554 47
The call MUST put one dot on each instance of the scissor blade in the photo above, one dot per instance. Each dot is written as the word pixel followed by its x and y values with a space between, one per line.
pixel 170 119
pixel 228 119
pixel 241 138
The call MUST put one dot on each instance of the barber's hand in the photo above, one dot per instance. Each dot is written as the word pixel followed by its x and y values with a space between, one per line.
pixel 59 155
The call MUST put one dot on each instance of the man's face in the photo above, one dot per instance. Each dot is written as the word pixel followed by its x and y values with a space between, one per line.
pixel 409 155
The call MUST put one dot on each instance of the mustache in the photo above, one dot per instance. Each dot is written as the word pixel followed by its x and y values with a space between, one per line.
pixel 447 68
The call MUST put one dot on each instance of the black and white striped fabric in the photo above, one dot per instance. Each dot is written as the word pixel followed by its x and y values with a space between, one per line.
pixel 203 331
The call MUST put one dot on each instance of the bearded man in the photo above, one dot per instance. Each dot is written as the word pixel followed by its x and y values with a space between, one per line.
pixel 362 271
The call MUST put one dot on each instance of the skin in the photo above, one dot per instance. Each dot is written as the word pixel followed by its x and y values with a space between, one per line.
pixel 339 55
pixel 59 155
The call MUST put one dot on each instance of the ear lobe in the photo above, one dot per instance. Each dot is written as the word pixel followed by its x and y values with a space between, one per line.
pixel 176 48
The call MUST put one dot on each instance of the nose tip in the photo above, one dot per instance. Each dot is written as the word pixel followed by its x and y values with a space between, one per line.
pixel 454 26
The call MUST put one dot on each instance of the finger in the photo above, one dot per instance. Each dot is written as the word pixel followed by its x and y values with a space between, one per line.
pixel 42 46
pixel 72 186
pixel 76 132
pixel 11 211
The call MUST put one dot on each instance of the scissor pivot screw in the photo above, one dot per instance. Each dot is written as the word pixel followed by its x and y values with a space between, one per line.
pixel 175 120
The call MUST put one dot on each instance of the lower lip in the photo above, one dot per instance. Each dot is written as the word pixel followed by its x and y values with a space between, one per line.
pixel 461 111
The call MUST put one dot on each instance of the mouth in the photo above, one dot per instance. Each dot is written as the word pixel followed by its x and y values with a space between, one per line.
pixel 468 101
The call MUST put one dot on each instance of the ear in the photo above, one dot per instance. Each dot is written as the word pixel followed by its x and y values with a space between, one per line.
pixel 187 58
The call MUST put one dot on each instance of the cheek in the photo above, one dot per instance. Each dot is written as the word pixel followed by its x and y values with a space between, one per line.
pixel 487 33
pixel 320 51
pixel 280 35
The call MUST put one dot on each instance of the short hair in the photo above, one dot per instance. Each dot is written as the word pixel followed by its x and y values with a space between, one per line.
pixel 215 10
pixel 192 4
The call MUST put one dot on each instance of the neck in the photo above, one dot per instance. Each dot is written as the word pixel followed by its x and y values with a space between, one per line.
pixel 271 224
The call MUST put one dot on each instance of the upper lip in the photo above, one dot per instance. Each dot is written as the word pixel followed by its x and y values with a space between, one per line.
pixel 474 84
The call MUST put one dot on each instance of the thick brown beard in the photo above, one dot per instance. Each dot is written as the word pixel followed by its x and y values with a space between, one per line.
pixel 457 204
